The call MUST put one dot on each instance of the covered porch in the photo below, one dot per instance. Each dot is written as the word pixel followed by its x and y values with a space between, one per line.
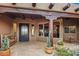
pixel 30 28
pixel 24 27
pixel 67 28
pixel 37 28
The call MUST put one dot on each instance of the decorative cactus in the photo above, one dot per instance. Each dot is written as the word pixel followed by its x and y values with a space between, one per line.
pixel 49 41
pixel 5 43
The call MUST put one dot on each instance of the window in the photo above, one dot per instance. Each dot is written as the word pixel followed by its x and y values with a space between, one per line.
pixel 41 30
pixel 33 30
pixel 70 29
pixel 44 30
pixel 66 29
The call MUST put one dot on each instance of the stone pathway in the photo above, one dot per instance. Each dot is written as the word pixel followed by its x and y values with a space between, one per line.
pixel 72 46
pixel 36 48
pixel 31 48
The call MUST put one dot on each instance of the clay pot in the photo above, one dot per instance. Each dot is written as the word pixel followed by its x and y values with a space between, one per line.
pixel 49 50
pixel 5 52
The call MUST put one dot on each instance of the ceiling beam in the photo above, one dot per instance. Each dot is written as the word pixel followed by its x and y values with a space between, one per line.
pixel 40 10
pixel 33 4
pixel 77 9
pixel 66 7
pixel 51 5
pixel 14 15
pixel 13 3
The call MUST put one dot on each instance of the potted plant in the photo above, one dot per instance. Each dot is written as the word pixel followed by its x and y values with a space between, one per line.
pixel 60 50
pixel 49 48
pixel 5 43
pixel 5 50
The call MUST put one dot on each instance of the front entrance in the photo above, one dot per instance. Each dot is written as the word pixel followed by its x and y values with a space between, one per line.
pixel 23 32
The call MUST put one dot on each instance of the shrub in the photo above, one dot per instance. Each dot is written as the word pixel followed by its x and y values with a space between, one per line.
pixel 63 52
pixel 60 42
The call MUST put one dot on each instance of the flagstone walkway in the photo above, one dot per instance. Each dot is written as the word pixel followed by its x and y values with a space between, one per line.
pixel 72 46
pixel 31 48
pixel 36 48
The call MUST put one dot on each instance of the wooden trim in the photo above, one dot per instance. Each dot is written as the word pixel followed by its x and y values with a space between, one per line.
pixel 67 17
pixel 40 10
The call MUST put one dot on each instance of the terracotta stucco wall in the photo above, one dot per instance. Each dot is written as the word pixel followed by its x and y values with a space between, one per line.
pixel 5 25
pixel 72 22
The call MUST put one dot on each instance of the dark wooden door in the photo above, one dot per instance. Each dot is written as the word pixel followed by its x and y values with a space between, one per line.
pixel 23 32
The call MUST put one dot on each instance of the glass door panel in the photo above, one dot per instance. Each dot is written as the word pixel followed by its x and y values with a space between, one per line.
pixel 24 32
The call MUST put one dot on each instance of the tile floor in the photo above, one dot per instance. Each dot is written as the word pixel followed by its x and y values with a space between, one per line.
pixel 31 48
pixel 36 48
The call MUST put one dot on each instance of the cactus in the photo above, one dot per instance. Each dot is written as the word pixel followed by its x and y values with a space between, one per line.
pixel 5 43
pixel 49 41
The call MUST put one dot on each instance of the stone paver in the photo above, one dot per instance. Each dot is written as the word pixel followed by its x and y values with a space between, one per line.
pixel 36 48
pixel 31 48
pixel 72 46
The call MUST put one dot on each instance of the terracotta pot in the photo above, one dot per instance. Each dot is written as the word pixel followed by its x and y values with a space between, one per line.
pixel 49 50
pixel 5 52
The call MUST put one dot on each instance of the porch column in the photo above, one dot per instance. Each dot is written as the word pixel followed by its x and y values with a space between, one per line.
pixel 51 30
pixel 61 29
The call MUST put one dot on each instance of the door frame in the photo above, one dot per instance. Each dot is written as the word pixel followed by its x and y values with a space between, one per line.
pixel 28 30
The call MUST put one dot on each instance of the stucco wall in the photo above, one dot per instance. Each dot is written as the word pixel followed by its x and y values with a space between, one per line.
pixel 72 22
pixel 5 25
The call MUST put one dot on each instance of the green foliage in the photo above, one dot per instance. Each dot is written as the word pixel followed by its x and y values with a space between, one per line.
pixel 63 52
pixel 49 41
pixel 60 42
pixel 5 43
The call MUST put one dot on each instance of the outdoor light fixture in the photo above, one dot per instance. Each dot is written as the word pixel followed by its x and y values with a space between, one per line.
pixel 51 5
pixel 66 7
pixel 76 10
pixel 33 4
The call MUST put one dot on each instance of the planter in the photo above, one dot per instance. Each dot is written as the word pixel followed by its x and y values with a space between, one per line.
pixel 49 50
pixel 5 52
